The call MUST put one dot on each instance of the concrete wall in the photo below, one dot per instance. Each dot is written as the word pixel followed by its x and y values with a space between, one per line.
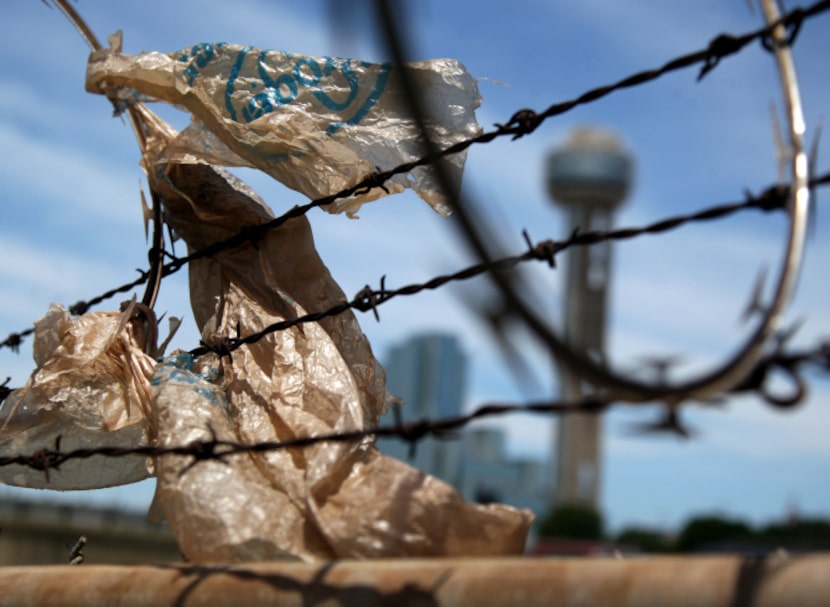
pixel 34 533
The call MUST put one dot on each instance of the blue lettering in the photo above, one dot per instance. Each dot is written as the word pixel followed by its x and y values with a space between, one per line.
pixel 312 66
pixel 282 89
pixel 237 67
pixel 198 57
pixel 351 79
pixel 258 105
pixel 371 100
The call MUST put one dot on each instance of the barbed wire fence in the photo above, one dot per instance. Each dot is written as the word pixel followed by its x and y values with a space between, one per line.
pixel 753 378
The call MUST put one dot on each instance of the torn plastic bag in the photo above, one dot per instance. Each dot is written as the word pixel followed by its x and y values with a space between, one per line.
pixel 245 519
pixel 328 500
pixel 91 388
pixel 228 510
pixel 317 124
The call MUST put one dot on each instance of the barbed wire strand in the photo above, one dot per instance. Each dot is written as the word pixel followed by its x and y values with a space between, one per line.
pixel 368 299
pixel 523 122
pixel 771 199
pixel 442 428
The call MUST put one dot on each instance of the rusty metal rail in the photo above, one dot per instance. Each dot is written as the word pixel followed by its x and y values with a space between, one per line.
pixel 710 581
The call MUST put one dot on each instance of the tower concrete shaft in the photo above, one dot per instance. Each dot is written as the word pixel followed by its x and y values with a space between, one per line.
pixel 578 436
pixel 590 177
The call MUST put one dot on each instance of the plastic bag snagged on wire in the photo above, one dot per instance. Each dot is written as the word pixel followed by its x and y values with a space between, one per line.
pixel 317 124
pixel 328 500
pixel 323 501
pixel 91 388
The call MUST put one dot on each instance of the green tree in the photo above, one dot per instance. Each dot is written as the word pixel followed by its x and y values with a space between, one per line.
pixel 572 521
pixel 804 534
pixel 812 529
pixel 644 539
pixel 703 530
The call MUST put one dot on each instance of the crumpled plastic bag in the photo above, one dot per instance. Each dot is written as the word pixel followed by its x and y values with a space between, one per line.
pixel 329 500
pixel 91 388
pixel 316 124
pixel 244 508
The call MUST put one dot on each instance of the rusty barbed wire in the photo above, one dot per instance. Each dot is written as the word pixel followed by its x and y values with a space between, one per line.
pixel 15 340
pixel 771 199
pixel 218 449
pixel 525 121
pixel 790 363
pixel 522 122
pixel 368 299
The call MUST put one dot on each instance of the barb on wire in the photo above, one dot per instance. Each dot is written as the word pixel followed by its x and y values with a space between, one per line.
pixel 215 449
pixel 76 554
pixel 5 390
pixel 773 198
pixel 14 340
pixel 522 122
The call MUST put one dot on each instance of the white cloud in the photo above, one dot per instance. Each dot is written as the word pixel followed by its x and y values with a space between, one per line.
pixel 47 274
pixel 70 179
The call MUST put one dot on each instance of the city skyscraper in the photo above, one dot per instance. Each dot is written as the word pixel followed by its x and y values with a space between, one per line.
pixel 428 372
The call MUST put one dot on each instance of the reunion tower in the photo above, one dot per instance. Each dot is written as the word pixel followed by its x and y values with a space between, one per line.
pixel 590 177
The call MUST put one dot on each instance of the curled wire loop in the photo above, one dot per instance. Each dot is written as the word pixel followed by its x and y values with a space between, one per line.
pixel 734 370
pixel 612 385
pixel 797 391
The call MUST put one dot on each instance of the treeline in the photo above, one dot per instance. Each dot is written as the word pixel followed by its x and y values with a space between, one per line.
pixel 698 534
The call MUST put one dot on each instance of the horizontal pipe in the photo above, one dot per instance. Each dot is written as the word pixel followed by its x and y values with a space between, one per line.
pixel 710 581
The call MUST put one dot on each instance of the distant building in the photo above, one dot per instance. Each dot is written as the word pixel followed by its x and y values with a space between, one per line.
pixel 489 475
pixel 429 373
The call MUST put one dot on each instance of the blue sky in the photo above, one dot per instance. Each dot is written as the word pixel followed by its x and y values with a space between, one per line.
pixel 72 226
